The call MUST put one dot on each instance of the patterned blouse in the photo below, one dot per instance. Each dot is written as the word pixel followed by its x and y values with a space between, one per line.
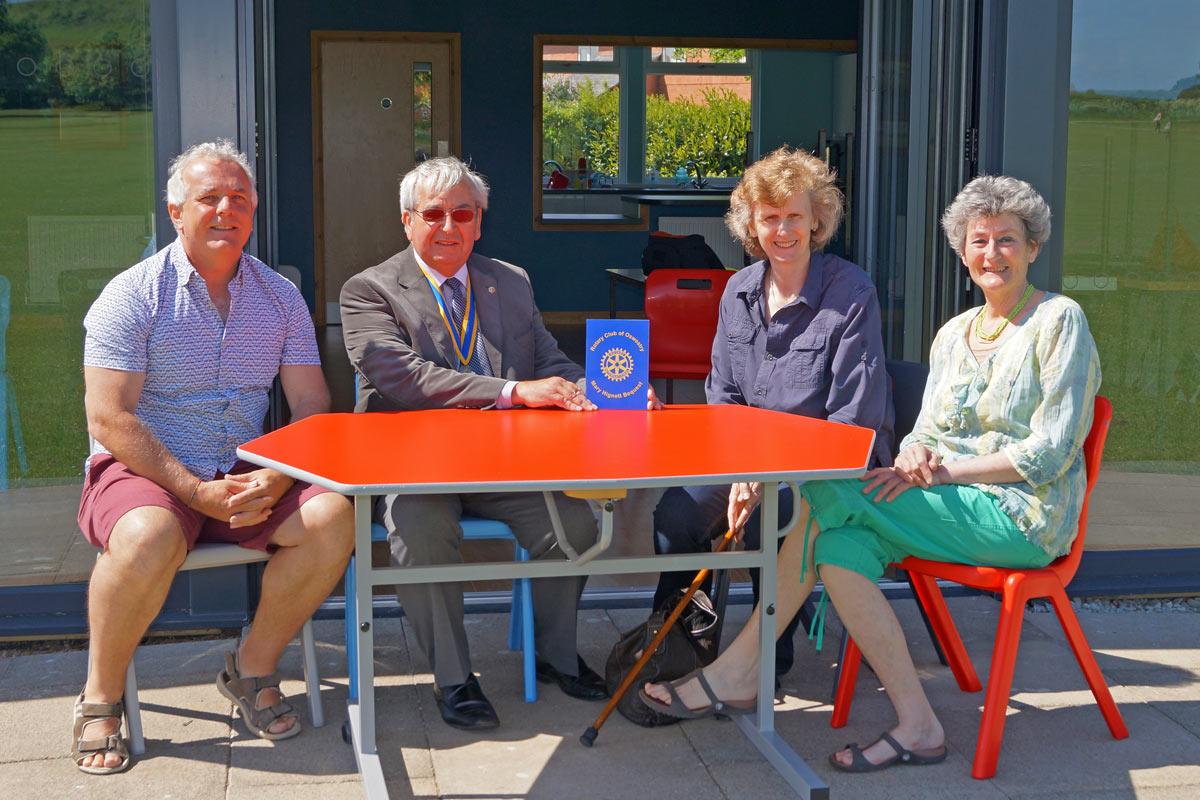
pixel 1032 399
pixel 206 379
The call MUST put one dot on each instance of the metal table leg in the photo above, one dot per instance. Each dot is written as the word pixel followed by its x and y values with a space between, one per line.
pixel 759 728
pixel 362 711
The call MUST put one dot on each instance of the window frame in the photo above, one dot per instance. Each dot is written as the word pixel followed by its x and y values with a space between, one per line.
pixel 631 63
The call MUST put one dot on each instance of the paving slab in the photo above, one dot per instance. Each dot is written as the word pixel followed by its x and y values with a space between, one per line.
pixel 1056 744
pixel 349 789
pixel 187 748
pixel 1128 793
pixel 1179 701
pixel 1136 639
pixel 1070 749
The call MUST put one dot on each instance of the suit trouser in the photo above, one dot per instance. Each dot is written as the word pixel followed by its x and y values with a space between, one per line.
pixel 687 519
pixel 425 529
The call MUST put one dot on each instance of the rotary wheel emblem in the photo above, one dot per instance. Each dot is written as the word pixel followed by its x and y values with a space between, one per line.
pixel 616 364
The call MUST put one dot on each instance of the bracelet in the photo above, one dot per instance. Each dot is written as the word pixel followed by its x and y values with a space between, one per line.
pixel 195 489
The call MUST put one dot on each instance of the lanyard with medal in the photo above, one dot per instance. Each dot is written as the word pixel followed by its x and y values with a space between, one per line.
pixel 463 339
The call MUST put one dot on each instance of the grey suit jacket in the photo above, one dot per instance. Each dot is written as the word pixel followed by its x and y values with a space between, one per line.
pixel 403 354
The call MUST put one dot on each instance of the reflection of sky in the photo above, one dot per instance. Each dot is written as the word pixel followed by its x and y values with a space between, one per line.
pixel 1149 44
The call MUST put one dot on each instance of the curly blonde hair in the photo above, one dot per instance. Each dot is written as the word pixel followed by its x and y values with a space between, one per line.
pixel 772 180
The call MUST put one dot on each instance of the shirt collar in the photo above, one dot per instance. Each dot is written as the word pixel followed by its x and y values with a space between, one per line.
pixel 753 288
pixel 184 269
pixel 810 293
pixel 814 284
pixel 183 265
pixel 438 277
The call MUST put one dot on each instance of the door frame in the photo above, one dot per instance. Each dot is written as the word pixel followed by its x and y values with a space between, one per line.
pixel 319 37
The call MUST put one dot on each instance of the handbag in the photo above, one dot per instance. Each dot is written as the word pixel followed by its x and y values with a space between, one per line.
pixel 689 645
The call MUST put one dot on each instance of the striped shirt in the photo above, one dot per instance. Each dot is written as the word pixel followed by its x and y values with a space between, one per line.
pixel 1031 399
pixel 206 379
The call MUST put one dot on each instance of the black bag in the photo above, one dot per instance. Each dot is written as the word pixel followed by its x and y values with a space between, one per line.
pixel 688 646
pixel 680 252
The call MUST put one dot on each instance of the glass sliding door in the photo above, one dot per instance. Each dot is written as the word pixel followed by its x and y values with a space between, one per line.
pixel 1132 222
pixel 919 95
pixel 77 189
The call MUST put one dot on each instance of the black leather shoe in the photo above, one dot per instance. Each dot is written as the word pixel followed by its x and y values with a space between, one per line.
pixel 465 706
pixel 587 685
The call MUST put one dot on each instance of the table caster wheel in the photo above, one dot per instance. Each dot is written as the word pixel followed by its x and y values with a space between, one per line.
pixel 346 737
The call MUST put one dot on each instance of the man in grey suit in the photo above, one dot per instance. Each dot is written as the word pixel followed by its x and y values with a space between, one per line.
pixel 405 332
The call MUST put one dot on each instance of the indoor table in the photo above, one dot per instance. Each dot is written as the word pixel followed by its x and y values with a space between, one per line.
pixel 598 454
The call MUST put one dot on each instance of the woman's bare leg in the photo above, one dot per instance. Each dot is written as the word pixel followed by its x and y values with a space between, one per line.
pixel 734 675
pixel 869 618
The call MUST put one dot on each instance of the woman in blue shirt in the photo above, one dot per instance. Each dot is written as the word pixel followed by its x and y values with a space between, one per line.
pixel 798 332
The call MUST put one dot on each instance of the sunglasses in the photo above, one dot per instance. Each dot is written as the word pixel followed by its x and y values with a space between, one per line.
pixel 436 216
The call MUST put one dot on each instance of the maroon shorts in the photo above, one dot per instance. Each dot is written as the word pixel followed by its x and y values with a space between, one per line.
pixel 111 490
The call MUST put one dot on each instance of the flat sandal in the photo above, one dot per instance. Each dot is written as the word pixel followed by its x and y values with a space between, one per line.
pixel 678 709
pixel 87 714
pixel 244 693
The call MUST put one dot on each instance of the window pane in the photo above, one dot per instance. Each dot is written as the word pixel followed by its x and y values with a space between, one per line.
pixel 699 55
pixel 1132 234
pixel 577 52
pixel 580 120
pixel 422 110
pixel 77 189
pixel 703 118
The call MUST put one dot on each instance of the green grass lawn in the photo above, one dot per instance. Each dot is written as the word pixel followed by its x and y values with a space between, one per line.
pixel 1133 215
pixel 65 166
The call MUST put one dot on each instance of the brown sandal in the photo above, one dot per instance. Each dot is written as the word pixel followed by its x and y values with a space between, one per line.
pixel 87 714
pixel 244 693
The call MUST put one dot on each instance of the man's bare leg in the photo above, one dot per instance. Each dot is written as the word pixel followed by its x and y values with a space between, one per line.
pixel 128 586
pixel 734 675
pixel 870 619
pixel 314 547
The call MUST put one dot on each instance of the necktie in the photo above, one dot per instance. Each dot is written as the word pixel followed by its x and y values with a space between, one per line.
pixel 479 360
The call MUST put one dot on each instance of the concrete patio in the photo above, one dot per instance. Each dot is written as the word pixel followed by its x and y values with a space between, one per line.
pixel 1056 744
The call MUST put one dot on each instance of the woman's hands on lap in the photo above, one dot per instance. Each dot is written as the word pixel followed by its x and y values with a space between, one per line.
pixel 918 465
pixel 888 483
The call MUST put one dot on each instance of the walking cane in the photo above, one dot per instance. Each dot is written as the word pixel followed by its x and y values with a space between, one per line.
pixel 589 736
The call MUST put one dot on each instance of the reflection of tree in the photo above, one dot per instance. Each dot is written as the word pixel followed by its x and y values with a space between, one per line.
pixel 110 72
pixel 25 80
pixel 93 53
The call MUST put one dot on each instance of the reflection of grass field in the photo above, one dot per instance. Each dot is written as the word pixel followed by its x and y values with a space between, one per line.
pixel 97 165
pixel 1133 213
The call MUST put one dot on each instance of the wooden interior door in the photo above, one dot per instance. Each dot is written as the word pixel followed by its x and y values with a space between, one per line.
pixel 378 99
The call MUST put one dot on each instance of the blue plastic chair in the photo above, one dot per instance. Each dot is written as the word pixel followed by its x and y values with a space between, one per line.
pixel 8 396
pixel 520 624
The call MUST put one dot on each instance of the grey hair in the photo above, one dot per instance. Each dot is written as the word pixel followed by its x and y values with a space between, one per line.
pixel 220 150
pixel 991 196
pixel 436 176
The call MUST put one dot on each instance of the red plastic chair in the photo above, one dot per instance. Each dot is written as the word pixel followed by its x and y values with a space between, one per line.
pixel 682 306
pixel 1016 586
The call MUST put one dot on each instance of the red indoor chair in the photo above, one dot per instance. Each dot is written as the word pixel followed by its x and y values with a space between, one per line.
pixel 1016 586
pixel 682 305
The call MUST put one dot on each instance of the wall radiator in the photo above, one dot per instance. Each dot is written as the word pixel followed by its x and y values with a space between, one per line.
pixel 714 232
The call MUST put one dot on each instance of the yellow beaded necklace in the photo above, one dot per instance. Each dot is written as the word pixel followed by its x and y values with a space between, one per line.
pixel 994 335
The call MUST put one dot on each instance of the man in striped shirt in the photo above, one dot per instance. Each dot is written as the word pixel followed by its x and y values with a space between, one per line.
pixel 179 356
